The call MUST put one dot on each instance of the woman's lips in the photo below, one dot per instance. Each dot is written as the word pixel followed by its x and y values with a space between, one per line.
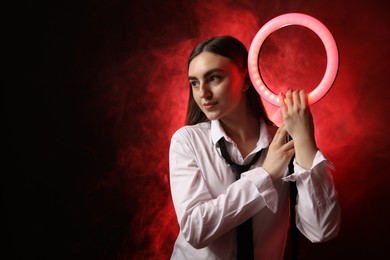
pixel 209 105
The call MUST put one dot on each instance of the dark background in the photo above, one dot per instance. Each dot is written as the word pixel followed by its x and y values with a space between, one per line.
pixel 94 90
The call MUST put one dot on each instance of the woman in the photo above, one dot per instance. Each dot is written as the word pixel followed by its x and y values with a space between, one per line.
pixel 224 110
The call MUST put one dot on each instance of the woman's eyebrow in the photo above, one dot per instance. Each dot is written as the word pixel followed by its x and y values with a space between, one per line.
pixel 208 73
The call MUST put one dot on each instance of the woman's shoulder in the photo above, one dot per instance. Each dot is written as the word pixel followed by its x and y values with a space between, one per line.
pixel 191 131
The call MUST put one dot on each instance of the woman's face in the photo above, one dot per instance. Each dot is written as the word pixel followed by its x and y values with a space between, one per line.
pixel 217 85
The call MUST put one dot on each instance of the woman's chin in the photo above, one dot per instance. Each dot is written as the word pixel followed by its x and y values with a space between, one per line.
pixel 212 116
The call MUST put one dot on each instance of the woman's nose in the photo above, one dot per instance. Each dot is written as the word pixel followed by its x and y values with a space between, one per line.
pixel 204 90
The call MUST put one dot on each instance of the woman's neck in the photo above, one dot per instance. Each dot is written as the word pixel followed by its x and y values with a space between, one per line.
pixel 244 130
pixel 241 128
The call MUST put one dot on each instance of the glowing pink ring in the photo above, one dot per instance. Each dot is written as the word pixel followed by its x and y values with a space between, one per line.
pixel 294 19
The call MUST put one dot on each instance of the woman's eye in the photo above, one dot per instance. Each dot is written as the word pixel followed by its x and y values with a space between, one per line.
pixel 194 83
pixel 215 78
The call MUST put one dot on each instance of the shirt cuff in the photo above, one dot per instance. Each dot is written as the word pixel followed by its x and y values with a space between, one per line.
pixel 265 186
pixel 299 171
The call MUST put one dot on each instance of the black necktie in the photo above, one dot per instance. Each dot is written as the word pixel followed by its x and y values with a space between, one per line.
pixel 293 227
pixel 244 231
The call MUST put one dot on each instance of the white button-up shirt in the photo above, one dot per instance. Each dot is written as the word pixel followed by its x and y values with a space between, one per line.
pixel 210 203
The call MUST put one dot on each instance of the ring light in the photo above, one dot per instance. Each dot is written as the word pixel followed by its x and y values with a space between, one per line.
pixel 293 19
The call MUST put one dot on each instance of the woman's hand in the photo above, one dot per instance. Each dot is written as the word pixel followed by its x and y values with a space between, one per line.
pixel 279 154
pixel 298 122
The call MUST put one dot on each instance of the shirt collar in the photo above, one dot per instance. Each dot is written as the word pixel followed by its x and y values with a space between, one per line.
pixel 266 134
pixel 217 132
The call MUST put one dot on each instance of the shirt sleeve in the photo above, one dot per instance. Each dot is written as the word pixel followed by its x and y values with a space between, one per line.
pixel 317 209
pixel 201 217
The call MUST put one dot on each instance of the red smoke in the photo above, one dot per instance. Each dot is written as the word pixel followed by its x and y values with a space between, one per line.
pixel 132 61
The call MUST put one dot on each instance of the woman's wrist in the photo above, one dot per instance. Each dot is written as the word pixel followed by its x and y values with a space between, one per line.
pixel 305 151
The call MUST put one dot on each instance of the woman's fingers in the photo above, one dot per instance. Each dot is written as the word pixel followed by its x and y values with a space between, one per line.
pixel 289 145
pixel 303 98
pixel 281 135
pixel 281 141
pixel 279 154
pixel 296 114
pixel 296 99
pixel 282 103
pixel 289 100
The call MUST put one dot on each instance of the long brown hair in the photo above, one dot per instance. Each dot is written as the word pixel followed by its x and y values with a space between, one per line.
pixel 236 51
